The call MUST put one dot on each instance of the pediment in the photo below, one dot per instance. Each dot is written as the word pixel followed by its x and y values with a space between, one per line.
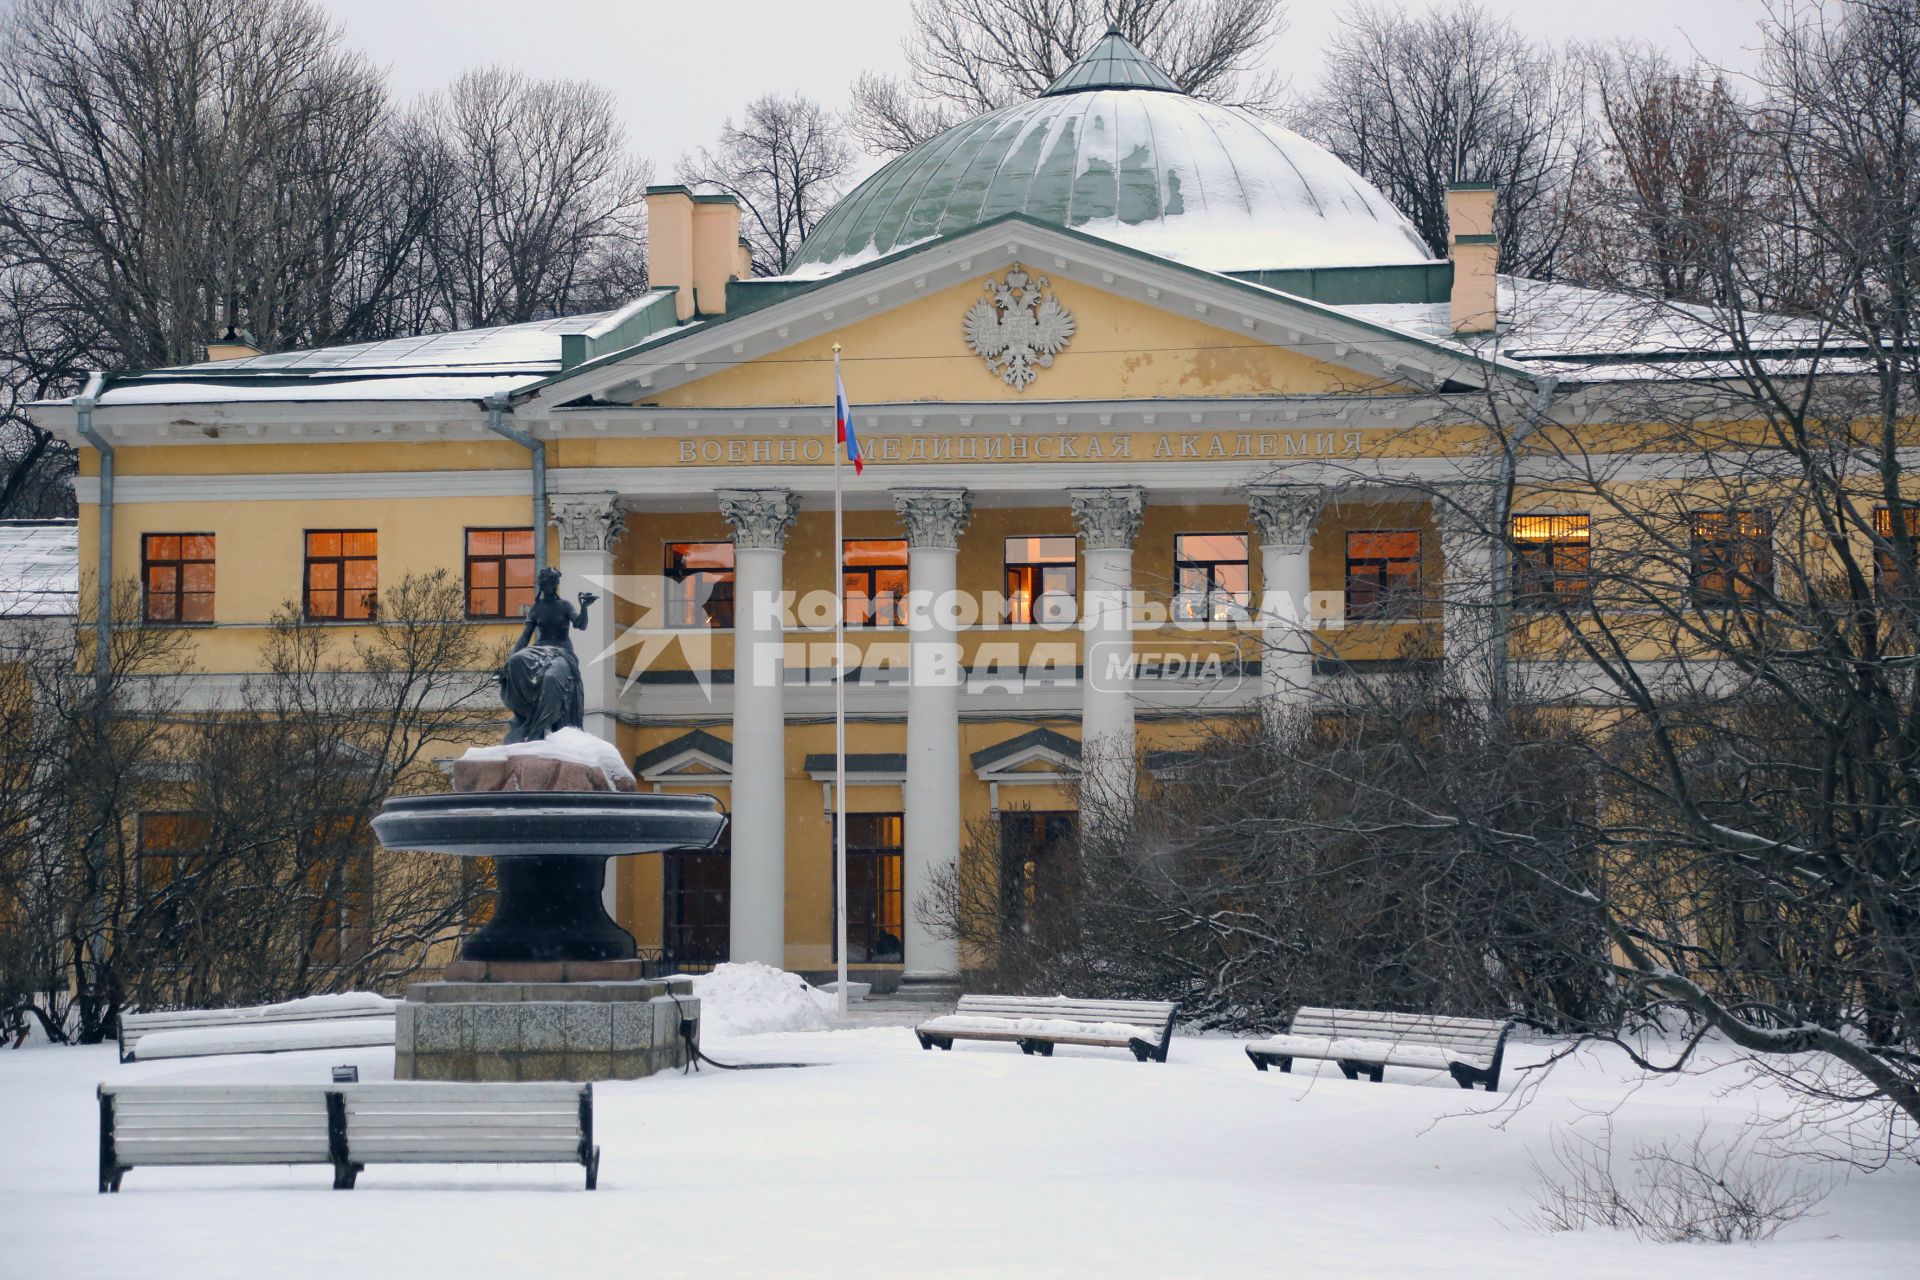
pixel 1144 328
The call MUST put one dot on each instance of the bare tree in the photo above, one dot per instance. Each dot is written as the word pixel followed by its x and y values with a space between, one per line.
pixel 1418 102
pixel 178 853
pixel 786 162
pixel 966 57
pixel 1680 173
pixel 175 168
pixel 542 207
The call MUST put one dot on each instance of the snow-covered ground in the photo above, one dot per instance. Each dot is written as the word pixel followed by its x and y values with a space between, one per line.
pixel 888 1161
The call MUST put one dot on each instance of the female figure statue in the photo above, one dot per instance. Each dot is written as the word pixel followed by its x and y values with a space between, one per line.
pixel 541 681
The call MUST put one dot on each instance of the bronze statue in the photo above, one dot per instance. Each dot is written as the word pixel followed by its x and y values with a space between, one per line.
pixel 541 681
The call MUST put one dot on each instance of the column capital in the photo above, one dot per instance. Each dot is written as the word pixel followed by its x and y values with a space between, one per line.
pixel 761 518
pixel 588 521
pixel 1109 519
pixel 1285 514
pixel 934 517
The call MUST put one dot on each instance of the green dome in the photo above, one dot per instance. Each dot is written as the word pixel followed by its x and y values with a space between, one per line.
pixel 1114 149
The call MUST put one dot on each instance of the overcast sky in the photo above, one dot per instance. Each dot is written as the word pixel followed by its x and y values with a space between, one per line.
pixel 681 67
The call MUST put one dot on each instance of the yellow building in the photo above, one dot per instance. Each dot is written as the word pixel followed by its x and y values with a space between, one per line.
pixel 1109 351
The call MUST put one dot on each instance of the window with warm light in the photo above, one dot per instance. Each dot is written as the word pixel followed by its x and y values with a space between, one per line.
pixel 1041 581
pixel 499 572
pixel 1552 560
pixel 1210 577
pixel 171 847
pixel 343 575
pixel 874 574
pixel 1732 557
pixel 699 584
pixel 875 894
pixel 176 573
pixel 1383 573
pixel 1886 566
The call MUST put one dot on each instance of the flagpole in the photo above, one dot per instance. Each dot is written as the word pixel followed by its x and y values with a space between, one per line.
pixel 839 707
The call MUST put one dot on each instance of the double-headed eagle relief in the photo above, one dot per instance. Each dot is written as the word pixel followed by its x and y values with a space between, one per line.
pixel 1017 327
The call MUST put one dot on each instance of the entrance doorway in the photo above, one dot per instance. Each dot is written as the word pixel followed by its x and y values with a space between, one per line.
pixel 695 906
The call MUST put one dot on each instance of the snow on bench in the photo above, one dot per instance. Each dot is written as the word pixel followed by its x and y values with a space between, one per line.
pixel 344 1021
pixel 1360 1040
pixel 346 1126
pixel 1037 1023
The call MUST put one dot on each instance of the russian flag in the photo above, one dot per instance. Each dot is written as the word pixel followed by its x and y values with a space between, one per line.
pixel 843 426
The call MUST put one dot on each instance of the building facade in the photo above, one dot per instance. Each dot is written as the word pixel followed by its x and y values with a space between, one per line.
pixel 1168 417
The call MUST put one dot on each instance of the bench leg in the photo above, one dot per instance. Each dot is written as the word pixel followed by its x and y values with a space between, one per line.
pixel 345 1175
pixel 593 1170
pixel 926 1041
pixel 1379 1073
pixel 1259 1063
pixel 1462 1074
pixel 1351 1070
pixel 1026 1046
pixel 1142 1051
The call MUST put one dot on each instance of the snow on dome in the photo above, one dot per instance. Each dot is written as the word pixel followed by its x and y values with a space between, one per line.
pixel 753 999
pixel 1112 149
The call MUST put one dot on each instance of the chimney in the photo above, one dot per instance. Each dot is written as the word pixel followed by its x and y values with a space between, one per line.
pixel 1476 259
pixel 716 251
pixel 670 245
pixel 231 345
pixel 694 247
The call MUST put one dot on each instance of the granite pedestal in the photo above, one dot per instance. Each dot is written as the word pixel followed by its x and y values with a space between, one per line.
pixel 542 1030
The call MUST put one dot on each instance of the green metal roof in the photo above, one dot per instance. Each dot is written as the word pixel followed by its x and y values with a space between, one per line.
pixel 1112 63
pixel 1115 149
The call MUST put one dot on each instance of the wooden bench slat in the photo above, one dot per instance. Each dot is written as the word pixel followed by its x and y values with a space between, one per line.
pixel 1469 1049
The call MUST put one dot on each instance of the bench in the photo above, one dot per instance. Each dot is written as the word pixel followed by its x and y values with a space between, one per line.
pixel 347 1126
pixel 1038 1023
pixel 327 1023
pixel 1366 1042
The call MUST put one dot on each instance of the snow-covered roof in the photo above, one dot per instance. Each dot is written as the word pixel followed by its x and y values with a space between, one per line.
pixel 463 364
pixel 39 568
pixel 1113 149
pixel 1573 331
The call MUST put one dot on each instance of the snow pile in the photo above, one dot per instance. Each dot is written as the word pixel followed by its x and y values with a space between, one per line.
pixel 575 746
pixel 341 1002
pixel 754 999
pixel 265 1037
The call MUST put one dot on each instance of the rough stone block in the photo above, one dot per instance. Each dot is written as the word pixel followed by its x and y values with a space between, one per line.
pixel 632 1027
pixel 494 1028
pixel 403 1028
pixel 402 1064
pixel 433 1066
pixel 541 1030
pixel 629 1066
pixel 496 1068
pixel 588 1067
pixel 588 1028
pixel 439 1028
pixel 543 1066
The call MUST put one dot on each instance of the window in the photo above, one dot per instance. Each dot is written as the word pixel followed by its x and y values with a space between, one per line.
pixel 1040 579
pixel 1039 870
pixel 874 898
pixel 172 847
pixel 1209 577
pixel 696 906
pixel 875 579
pixel 699 590
pixel 340 887
pixel 177 572
pixel 1383 572
pixel 1732 558
pixel 343 575
pixel 1552 555
pixel 499 572
pixel 1886 568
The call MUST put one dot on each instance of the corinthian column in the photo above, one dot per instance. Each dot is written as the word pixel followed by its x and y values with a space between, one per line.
pixel 934 519
pixel 761 520
pixel 1285 516
pixel 1109 521
pixel 591 524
